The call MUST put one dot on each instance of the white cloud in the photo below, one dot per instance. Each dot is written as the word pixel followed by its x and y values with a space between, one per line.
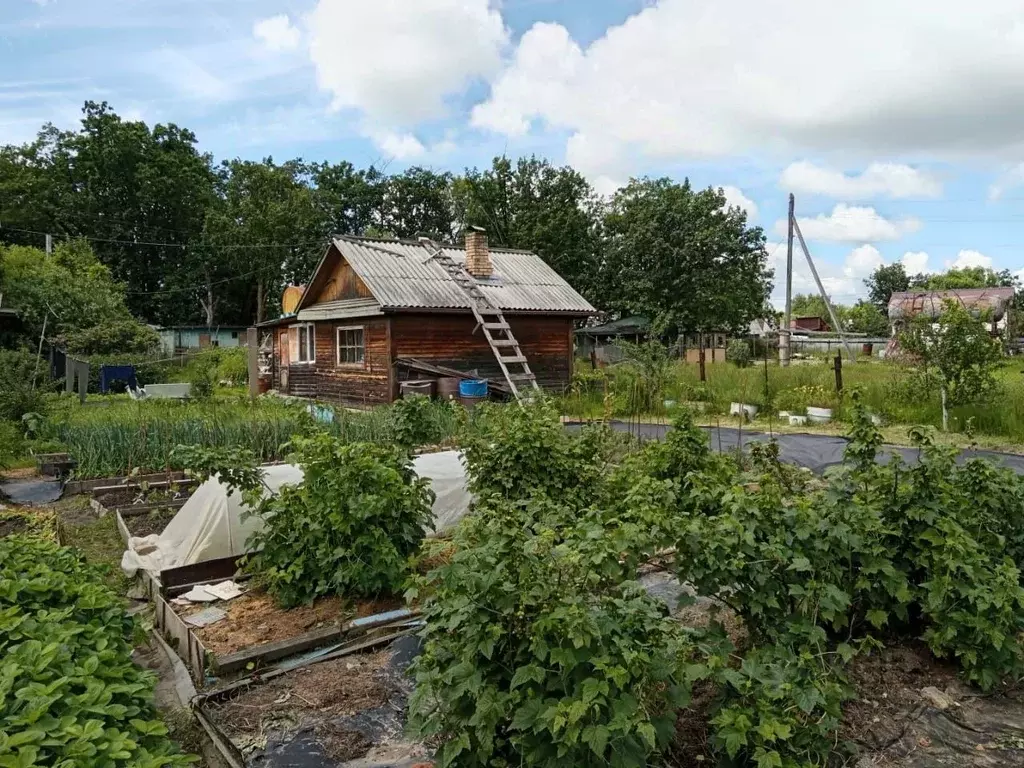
pixel 852 224
pixel 968 258
pixel 734 197
pixel 712 77
pixel 401 146
pixel 277 33
pixel 397 60
pixel 915 262
pixel 878 180
pixel 1011 178
pixel 862 261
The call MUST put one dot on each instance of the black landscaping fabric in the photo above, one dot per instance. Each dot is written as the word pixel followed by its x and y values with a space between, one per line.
pixel 816 452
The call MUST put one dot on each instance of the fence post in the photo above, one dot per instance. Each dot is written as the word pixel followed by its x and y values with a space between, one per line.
pixel 838 365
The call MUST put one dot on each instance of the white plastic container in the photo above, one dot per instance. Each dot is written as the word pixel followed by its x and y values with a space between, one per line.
pixel 750 411
pixel 797 421
pixel 819 415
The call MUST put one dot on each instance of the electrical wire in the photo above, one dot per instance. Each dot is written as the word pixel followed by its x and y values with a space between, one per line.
pixel 167 245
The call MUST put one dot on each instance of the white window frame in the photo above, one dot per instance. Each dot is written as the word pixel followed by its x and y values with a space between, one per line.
pixel 311 343
pixel 338 346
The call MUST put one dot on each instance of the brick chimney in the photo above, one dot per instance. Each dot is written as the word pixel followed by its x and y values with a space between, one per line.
pixel 478 255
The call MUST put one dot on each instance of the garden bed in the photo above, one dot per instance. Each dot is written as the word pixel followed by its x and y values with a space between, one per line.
pixel 255 631
pixel 341 706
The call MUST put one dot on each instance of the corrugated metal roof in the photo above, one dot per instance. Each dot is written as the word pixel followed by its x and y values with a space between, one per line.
pixel 931 303
pixel 340 309
pixel 403 275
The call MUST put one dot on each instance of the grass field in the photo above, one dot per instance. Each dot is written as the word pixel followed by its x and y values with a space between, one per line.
pixel 890 390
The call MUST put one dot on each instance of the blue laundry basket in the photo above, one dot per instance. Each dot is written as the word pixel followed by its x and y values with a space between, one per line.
pixel 473 388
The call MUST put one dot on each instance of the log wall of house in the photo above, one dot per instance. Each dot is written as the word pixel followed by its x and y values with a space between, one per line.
pixel 369 384
pixel 448 339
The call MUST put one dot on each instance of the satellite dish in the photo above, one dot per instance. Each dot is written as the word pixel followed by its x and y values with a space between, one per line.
pixel 291 298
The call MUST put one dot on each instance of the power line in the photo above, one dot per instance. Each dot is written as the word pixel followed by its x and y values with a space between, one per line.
pixel 169 245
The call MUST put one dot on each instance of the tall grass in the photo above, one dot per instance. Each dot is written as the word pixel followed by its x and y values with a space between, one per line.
pixel 115 436
pixel 894 392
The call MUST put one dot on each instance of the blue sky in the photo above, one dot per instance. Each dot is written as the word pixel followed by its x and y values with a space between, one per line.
pixel 898 124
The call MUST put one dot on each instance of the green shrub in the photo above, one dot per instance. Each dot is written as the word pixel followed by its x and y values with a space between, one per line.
pixel 11 443
pixel 415 420
pixel 203 379
pixel 518 452
pixel 233 366
pixel 18 396
pixel 531 658
pixel 348 528
pixel 738 353
pixel 72 695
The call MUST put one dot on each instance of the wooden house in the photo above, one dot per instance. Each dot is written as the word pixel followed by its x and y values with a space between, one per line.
pixel 377 312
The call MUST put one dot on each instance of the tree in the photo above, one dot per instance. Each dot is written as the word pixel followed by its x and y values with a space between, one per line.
pixel 865 317
pixel 959 349
pixel 683 259
pixel 966 277
pixel 884 282
pixel 418 203
pixel 82 306
pixel 268 227
pixel 551 211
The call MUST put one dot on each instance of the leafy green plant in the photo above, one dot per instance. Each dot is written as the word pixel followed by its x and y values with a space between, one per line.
pixel 18 395
pixel 71 694
pixel 960 349
pixel 520 452
pixel 531 657
pixel 416 423
pixel 203 380
pixel 348 528
pixel 738 353
pixel 11 443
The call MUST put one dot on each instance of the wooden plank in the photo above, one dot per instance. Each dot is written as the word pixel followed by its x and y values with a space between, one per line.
pixel 73 487
pixel 231 754
pixel 209 570
pixel 260 654
pixel 142 509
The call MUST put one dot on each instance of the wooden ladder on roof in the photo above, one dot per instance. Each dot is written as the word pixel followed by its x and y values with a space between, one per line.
pixel 496 329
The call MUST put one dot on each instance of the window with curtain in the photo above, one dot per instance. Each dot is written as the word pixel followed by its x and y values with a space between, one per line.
pixel 351 346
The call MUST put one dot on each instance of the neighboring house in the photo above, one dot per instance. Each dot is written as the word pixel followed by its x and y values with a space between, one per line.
pixel 992 303
pixel 597 342
pixel 809 323
pixel 379 311
pixel 186 338
pixel 600 340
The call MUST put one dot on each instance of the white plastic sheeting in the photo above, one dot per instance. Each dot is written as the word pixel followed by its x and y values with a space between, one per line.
pixel 210 525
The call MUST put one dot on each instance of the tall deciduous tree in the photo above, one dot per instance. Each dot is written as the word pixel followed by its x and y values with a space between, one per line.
pixel 267 225
pixel 967 277
pixel 71 295
pixel 535 205
pixel 884 282
pixel 684 259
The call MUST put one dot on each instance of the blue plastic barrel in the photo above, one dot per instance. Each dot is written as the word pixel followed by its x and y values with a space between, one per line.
pixel 473 388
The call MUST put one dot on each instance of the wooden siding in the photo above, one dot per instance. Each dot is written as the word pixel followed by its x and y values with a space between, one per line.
pixel 336 280
pixel 365 385
pixel 448 339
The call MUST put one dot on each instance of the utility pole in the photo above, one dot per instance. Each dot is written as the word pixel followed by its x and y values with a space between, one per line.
pixel 49 244
pixel 785 349
pixel 821 290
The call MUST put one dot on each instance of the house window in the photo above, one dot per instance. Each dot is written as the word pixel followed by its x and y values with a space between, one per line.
pixel 351 346
pixel 307 344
